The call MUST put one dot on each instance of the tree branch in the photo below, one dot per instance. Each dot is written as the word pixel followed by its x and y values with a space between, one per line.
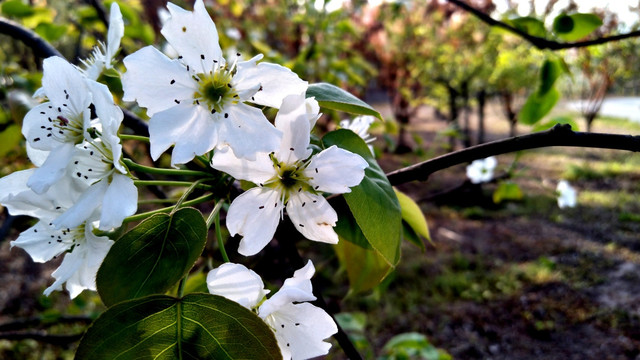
pixel 560 135
pixel 41 48
pixel 539 42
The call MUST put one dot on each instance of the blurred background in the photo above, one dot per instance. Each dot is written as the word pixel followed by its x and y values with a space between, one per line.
pixel 506 273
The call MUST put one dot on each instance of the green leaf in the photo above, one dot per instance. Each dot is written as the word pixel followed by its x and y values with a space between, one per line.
pixel 373 203
pixel 9 139
pixel 413 345
pixel 575 26
pixel 555 121
pixel 17 8
pixel 332 97
pixel 538 106
pixel 51 32
pixel 366 268
pixel 198 326
pixel 413 216
pixel 549 72
pixel 530 25
pixel 507 191
pixel 152 257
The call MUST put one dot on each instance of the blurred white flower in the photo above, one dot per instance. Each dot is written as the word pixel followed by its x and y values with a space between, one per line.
pixel 567 195
pixel 480 171
pixel 360 125
pixel 300 327
pixel 233 33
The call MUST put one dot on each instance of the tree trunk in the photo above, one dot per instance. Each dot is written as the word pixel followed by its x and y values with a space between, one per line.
pixel 453 115
pixel 481 97
pixel 401 112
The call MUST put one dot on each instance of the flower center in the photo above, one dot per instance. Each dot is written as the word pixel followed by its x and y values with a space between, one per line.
pixel 215 89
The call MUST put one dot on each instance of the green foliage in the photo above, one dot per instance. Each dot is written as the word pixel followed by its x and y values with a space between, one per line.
pixel 416 224
pixel 507 191
pixel 10 138
pixel 537 106
pixel 575 26
pixel 366 268
pixel 51 32
pixel 332 97
pixel 373 203
pixel 412 346
pixel 556 121
pixel 153 256
pixel 16 8
pixel 198 326
pixel 530 25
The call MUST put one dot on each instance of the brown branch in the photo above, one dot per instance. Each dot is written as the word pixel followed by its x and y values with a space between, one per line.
pixel 539 42
pixel 560 135
pixel 41 48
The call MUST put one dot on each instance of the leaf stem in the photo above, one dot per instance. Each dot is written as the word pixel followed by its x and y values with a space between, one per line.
pixel 151 170
pixel 144 139
pixel 215 217
pixel 186 194
pixel 168 183
pixel 145 215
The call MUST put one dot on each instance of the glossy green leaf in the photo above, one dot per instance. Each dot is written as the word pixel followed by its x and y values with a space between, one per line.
pixel 332 97
pixel 530 25
pixel 413 216
pixel 507 191
pixel 555 121
pixel 575 26
pixel 152 257
pixel 373 203
pixel 538 106
pixel 16 8
pixel 198 326
pixel 366 268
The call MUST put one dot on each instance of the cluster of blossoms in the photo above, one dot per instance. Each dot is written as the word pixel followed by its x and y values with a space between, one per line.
pixel 79 183
pixel 201 103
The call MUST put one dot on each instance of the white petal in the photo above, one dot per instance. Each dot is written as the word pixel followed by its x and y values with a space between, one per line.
pixel 120 201
pixel 193 34
pixel 247 131
pixel 64 84
pixel 114 34
pixel 79 268
pixel 277 82
pixel 108 112
pixel 300 330
pixel 90 200
pixel 258 171
pixel 41 242
pixel 335 170
pixel 38 124
pixel 295 289
pixel 53 168
pixel 37 157
pixel 191 128
pixel 255 215
pixel 313 217
pixel 293 121
pixel 237 283
pixel 156 81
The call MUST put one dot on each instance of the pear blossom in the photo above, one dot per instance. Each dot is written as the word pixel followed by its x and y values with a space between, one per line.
pixel 198 101
pixel 103 54
pixel 84 250
pixel 567 196
pixel 289 177
pixel 480 171
pixel 360 125
pixel 55 127
pixel 299 326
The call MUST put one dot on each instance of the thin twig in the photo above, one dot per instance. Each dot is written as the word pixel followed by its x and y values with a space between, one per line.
pixel 539 42
pixel 560 135
pixel 41 48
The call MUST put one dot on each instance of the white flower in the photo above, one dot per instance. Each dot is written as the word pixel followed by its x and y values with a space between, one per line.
pixel 43 241
pixel 300 327
pixel 102 55
pixel 54 128
pixel 360 125
pixel 480 171
pixel 567 196
pixel 289 177
pixel 108 187
pixel 197 102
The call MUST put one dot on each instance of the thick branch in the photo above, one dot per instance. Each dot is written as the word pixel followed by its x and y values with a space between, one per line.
pixel 40 47
pixel 539 42
pixel 560 135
